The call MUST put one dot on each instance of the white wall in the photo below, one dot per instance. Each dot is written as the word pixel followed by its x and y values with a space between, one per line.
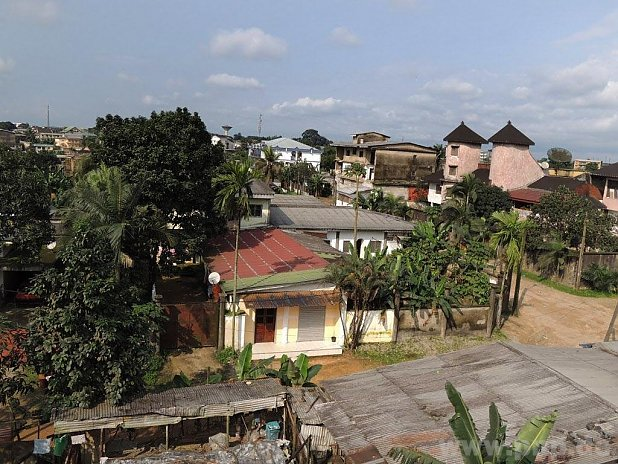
pixel 367 236
pixel 255 221
pixel 433 197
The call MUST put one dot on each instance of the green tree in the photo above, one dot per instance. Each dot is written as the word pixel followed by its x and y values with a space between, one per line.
pixel 356 171
pixel 440 156
pixel 105 202
pixel 269 164
pixel 466 189
pixel 94 335
pixel 490 199
pixel 170 156
pixel 327 159
pixel 234 183
pixel 508 242
pixel 314 184
pixel 25 201
pixel 313 139
pixel 524 449
pixel 365 283
pixel 560 216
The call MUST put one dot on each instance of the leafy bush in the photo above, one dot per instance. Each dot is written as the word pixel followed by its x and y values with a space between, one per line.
pixel 153 367
pixel 600 278
pixel 227 355
pixel 248 369
pixel 295 373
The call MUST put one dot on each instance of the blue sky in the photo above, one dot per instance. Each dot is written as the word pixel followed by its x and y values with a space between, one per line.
pixel 412 69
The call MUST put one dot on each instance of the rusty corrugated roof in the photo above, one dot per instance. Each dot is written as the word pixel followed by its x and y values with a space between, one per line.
pixel 291 299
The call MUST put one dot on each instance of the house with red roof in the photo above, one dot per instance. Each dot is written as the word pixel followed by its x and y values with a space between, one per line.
pixel 286 304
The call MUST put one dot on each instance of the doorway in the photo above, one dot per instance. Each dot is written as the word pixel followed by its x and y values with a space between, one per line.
pixel 265 325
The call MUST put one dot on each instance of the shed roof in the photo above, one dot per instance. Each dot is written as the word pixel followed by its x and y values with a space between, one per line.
pixel 261 189
pixel 464 134
pixel 169 407
pixel 286 143
pixel 510 135
pixel 336 218
pixel 406 404
pixel 552 183
pixel 606 171
pixel 288 200
pixel 319 298
pixel 262 253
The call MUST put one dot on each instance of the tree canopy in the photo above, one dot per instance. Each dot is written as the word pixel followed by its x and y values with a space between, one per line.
pixel 171 158
pixel 313 139
pixel 26 201
pixel 92 336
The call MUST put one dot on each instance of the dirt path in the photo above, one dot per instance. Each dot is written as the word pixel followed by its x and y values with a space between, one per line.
pixel 552 318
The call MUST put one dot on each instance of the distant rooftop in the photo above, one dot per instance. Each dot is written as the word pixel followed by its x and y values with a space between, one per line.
pixel 286 143
pixel 288 200
pixel 336 218
pixel 606 171
pixel 465 134
pixel 510 135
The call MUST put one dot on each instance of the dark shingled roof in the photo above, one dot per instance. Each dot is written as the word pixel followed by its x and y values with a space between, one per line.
pixel 607 171
pixel 510 135
pixel 261 188
pixel 433 178
pixel 483 174
pixel 552 183
pixel 465 134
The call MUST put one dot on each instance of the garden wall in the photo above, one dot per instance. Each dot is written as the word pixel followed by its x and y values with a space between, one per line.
pixel 468 320
pixel 568 277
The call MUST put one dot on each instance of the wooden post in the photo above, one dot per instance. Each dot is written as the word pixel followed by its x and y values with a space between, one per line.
pixel 167 437
pixel 100 443
pixel 611 330
pixel 227 430
pixel 581 252
pixel 491 310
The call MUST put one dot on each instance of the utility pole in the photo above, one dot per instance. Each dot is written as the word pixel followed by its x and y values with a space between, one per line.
pixel 581 252
pixel 260 125
pixel 48 115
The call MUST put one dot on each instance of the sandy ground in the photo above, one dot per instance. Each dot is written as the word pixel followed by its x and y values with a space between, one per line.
pixel 552 318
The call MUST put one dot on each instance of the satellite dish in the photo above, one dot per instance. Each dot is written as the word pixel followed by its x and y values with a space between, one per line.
pixel 51 245
pixel 544 165
pixel 214 277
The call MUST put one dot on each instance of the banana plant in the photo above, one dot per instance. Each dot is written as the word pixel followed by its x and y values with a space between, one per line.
pixel 492 449
pixel 295 373
pixel 246 369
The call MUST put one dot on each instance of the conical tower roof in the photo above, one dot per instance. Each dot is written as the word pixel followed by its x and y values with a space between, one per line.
pixel 510 135
pixel 465 134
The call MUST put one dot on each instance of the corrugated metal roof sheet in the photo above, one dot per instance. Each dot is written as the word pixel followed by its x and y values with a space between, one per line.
pixel 291 299
pixel 406 404
pixel 336 218
pixel 196 401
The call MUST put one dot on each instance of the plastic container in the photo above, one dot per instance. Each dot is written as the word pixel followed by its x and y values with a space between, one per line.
pixel 272 430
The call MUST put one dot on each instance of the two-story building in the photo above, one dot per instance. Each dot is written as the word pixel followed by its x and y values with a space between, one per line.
pixel 289 150
pixel 395 167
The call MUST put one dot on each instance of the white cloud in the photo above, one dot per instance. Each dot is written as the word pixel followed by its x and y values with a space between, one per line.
pixel 249 43
pixel 6 65
pixel 151 100
pixel 236 82
pixel 309 105
pixel 127 77
pixel 452 86
pixel 607 26
pixel 343 36
pixel 521 92
pixel 41 11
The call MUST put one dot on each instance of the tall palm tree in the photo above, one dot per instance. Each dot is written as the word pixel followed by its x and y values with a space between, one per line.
pixel 269 164
pixel 508 243
pixel 440 156
pixel 466 189
pixel 104 201
pixel 315 182
pixel 232 200
pixel 356 171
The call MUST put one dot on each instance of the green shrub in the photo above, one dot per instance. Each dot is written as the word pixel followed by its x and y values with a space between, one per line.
pixel 154 367
pixel 227 355
pixel 600 278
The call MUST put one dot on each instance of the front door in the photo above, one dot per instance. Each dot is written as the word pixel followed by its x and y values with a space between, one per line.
pixel 265 325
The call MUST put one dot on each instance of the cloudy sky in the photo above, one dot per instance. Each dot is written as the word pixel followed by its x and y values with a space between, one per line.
pixel 412 69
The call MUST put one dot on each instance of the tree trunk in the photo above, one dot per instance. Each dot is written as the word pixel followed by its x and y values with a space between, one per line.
pixel 519 276
pixel 581 252
pixel 507 290
pixel 396 315
pixel 236 277
pixel 356 218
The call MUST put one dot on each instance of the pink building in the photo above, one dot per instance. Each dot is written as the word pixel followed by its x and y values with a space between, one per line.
pixel 512 166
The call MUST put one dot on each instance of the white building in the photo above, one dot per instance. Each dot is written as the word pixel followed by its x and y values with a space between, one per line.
pixel 290 151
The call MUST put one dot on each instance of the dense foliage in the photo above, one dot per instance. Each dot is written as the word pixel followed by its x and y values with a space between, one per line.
pixel 93 335
pixel 25 202
pixel 171 158
pixel 600 278
pixel 491 199
pixel 313 139
pixel 560 216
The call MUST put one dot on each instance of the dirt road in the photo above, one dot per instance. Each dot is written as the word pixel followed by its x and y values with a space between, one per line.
pixel 552 318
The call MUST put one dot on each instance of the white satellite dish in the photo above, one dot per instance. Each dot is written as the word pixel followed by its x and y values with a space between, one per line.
pixel 51 245
pixel 544 165
pixel 214 277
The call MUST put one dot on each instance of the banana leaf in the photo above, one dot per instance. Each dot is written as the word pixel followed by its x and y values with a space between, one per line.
pixel 411 455
pixel 243 364
pixel 531 438
pixel 493 443
pixel 463 428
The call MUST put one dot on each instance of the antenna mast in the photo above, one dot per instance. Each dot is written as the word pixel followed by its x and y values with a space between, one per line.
pixel 260 125
pixel 48 115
